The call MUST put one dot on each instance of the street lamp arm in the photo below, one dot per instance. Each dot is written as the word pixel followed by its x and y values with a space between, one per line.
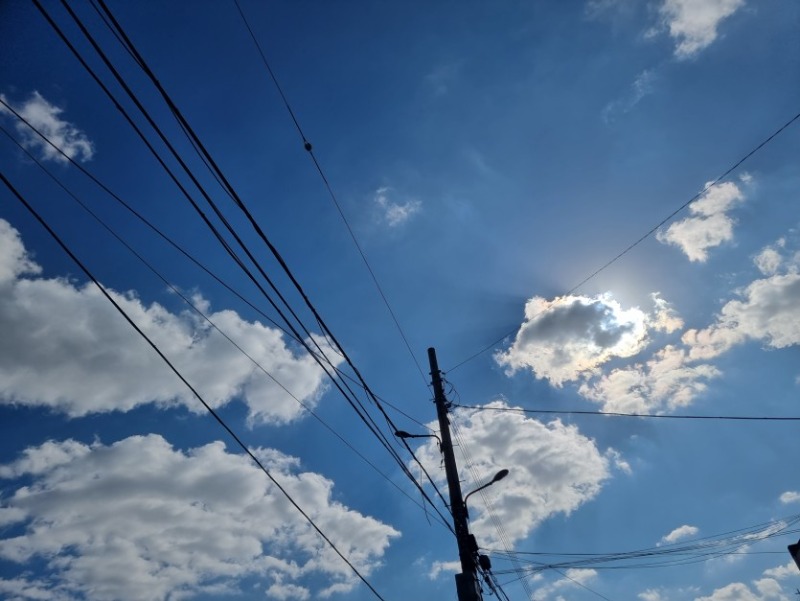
pixel 498 476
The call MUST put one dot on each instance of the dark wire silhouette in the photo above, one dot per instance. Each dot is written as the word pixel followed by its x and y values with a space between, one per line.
pixel 197 395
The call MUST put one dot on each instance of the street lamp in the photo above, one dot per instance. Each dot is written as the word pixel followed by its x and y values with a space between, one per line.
pixel 497 477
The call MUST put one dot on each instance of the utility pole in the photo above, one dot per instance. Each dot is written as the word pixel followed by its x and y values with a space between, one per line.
pixel 467 581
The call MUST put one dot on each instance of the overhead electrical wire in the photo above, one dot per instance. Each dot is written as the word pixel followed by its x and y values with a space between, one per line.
pixel 155 229
pixel 228 187
pixel 194 391
pixel 201 313
pixel 363 415
pixel 752 418
pixel 666 555
pixel 309 148
pixel 642 238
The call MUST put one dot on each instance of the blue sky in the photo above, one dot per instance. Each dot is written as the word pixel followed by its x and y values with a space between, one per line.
pixel 488 157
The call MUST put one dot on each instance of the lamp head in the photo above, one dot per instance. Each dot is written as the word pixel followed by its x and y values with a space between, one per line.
pixel 500 475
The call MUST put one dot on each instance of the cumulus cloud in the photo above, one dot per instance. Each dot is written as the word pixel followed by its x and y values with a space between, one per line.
pixel 790 496
pixel 680 533
pixel 141 520
pixel 709 224
pixel 768 310
pixel 693 24
pixel 395 213
pixel 65 347
pixel 769 259
pixel 46 118
pixel 553 469
pixel 787 570
pixel 569 337
pixel 765 589
pixel 665 382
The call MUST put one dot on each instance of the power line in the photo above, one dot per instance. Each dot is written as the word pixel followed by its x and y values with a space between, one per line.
pixel 230 190
pixel 309 148
pixel 649 233
pixel 642 415
pixel 697 550
pixel 166 360
pixel 348 394
pixel 170 241
pixel 201 313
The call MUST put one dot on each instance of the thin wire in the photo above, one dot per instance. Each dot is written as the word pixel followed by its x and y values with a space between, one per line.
pixel 261 234
pixel 206 318
pixel 352 400
pixel 166 360
pixel 175 245
pixel 642 415
pixel 308 147
pixel 649 233
pixel 698 550
pixel 581 584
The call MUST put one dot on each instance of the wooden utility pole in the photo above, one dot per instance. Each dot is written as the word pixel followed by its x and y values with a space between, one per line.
pixel 467 586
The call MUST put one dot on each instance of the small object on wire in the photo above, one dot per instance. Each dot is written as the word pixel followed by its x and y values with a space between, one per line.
pixel 307 146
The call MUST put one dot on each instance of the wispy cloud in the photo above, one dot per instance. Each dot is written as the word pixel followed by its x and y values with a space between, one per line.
pixel 790 496
pixel 693 24
pixel 709 224
pixel 395 213
pixel 642 86
pixel 167 523
pixel 46 118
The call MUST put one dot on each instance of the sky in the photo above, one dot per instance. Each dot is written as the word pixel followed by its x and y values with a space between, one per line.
pixel 550 194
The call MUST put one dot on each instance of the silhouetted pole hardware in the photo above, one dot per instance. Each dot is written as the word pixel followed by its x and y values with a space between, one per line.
pixel 794 551
pixel 467 587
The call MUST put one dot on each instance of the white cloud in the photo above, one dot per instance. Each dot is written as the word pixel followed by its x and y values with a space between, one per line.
pixel 664 383
pixel 141 520
pixel 680 533
pixel 709 224
pixel 693 24
pixel 769 259
pixel 571 336
pixel 64 346
pixel 14 259
pixel 288 591
pixel 790 496
pixel 46 118
pixel 766 589
pixel 769 311
pixel 785 571
pixel 439 567
pixel 651 595
pixel 395 214
pixel 553 469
